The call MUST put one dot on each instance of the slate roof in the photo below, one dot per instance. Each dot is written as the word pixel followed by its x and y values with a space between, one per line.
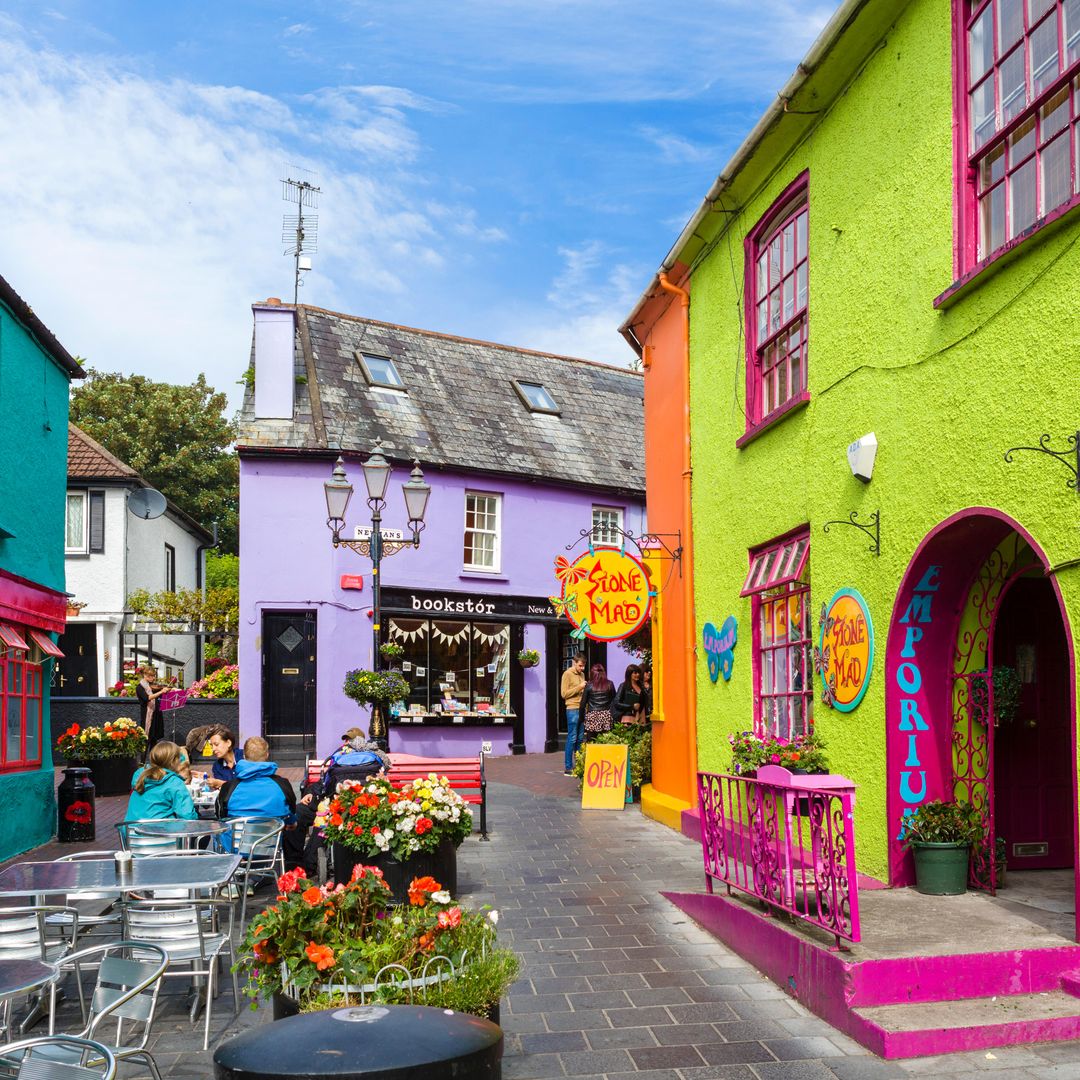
pixel 89 460
pixel 461 409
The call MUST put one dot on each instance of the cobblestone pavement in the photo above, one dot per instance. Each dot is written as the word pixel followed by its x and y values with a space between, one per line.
pixel 616 982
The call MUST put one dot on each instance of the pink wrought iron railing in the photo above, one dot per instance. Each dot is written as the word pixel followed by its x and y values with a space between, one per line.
pixel 793 847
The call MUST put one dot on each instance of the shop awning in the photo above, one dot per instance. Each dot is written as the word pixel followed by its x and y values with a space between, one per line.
pixel 46 644
pixel 12 638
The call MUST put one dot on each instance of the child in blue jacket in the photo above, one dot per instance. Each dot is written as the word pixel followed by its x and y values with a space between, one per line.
pixel 157 789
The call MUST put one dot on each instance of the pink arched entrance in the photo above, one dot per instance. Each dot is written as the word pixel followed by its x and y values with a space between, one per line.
pixel 924 649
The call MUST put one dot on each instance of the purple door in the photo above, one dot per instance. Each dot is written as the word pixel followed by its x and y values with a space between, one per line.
pixel 1032 755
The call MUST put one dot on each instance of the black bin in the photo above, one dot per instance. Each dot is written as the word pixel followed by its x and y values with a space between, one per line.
pixel 391 1042
pixel 76 817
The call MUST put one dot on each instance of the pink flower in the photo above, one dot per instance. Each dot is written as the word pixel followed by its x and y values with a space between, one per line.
pixel 775 759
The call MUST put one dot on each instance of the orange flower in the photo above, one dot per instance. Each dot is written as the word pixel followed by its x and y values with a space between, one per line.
pixel 312 896
pixel 335 819
pixel 420 888
pixel 322 956
pixel 263 953
pixel 427 941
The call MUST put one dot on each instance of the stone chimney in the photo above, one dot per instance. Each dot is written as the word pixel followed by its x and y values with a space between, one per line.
pixel 275 380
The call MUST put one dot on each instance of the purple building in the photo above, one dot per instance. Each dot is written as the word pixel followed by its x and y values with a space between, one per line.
pixel 523 451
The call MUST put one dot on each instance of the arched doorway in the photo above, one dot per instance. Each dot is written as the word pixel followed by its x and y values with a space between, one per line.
pixel 976 597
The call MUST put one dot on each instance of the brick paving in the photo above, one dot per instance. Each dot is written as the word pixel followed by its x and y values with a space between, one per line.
pixel 615 981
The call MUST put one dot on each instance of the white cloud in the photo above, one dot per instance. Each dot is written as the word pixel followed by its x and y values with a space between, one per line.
pixel 675 149
pixel 145 215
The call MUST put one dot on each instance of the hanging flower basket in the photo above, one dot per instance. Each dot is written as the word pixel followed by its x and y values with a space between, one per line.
pixel 528 658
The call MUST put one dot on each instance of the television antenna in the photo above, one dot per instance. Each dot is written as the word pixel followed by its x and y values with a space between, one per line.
pixel 300 231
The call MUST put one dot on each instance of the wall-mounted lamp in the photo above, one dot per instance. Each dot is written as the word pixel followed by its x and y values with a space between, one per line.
pixel 861 455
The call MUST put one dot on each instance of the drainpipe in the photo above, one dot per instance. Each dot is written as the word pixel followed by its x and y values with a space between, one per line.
pixel 689 624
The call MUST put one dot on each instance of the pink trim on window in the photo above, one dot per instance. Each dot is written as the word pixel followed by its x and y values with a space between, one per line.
pixel 1016 180
pixel 783 347
pixel 777 563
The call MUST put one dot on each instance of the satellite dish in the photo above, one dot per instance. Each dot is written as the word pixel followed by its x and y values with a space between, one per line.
pixel 146 503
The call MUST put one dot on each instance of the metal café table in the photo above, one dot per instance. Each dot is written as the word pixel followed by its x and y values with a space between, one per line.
pixel 100 875
pixel 189 832
pixel 21 977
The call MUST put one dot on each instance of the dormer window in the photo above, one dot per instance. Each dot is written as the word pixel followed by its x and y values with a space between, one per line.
pixel 380 371
pixel 535 397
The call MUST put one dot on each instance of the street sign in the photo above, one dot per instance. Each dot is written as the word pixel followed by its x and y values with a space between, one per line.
pixel 363 532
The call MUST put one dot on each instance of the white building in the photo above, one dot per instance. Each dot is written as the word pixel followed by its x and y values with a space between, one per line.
pixel 109 554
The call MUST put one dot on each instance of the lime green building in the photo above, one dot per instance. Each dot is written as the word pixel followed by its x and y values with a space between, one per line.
pixel 884 285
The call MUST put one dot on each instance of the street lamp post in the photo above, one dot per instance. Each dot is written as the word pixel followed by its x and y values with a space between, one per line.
pixel 338 493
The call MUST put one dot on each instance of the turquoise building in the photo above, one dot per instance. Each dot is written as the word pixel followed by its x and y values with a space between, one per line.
pixel 35 372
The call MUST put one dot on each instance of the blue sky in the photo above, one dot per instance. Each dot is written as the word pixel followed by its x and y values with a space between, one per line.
pixel 512 170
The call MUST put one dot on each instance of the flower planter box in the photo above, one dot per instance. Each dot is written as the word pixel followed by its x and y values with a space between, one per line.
pixel 441 864
pixel 283 1006
pixel 111 776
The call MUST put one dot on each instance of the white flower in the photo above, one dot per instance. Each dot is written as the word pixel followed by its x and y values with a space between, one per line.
pixel 441 897
pixel 397 920
pixel 493 915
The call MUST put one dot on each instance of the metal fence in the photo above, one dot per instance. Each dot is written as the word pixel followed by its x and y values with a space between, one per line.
pixel 791 847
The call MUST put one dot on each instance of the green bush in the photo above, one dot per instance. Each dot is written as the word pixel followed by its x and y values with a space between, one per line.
pixel 638 737
pixel 941 822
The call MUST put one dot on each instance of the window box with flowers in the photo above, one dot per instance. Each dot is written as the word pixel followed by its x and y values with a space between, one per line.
pixel 349 944
pixel 407 831
pixel 111 752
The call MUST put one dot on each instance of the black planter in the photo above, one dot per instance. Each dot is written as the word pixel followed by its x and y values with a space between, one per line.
pixel 76 820
pixel 441 864
pixel 112 776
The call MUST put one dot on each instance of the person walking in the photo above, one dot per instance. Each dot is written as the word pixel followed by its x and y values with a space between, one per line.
pixel 597 701
pixel 571 689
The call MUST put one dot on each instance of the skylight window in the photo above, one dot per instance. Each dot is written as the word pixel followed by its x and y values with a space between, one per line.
pixel 380 371
pixel 535 397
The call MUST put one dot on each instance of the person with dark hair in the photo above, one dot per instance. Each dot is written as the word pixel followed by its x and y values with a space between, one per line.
pixel 227 755
pixel 630 701
pixel 157 790
pixel 596 702
pixel 570 689
pixel 147 691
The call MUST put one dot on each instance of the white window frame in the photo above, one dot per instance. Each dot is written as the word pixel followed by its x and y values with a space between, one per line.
pixel 496 532
pixel 599 529
pixel 84 546
pixel 170 567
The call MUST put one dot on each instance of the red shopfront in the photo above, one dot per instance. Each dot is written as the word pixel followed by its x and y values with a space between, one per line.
pixel 29 613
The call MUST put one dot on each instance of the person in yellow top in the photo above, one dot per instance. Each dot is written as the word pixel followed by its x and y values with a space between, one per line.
pixel 572 687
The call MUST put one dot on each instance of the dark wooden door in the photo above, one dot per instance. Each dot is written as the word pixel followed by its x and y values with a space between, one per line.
pixel 76 674
pixel 1032 753
pixel 288 656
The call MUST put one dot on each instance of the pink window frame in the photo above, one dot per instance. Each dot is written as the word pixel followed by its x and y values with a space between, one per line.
pixel 778 214
pixel 31 693
pixel 787 583
pixel 966 261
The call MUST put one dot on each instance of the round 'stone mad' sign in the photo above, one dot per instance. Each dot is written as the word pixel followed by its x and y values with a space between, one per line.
pixel 605 593
pixel 847 649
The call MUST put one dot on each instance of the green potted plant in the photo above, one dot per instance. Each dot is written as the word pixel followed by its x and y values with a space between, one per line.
pixel 1007 690
pixel 379 689
pixel 392 650
pixel 333 946
pixel 939 835
pixel 528 657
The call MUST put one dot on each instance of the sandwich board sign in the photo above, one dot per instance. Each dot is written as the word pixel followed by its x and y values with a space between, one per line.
pixel 606 784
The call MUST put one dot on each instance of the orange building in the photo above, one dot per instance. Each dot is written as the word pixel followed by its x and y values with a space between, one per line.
pixel 658 330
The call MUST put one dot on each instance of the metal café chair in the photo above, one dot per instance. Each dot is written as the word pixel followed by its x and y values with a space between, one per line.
pixel 104 913
pixel 129 975
pixel 141 846
pixel 27 934
pixel 257 840
pixel 31 1059
pixel 192 932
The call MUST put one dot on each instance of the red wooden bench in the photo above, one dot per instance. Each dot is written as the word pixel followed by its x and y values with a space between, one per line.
pixel 466 776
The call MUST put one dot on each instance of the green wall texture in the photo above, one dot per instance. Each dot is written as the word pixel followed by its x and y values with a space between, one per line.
pixel 945 391
pixel 33 449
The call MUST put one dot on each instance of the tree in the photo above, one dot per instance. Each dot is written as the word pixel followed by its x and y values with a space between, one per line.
pixel 175 437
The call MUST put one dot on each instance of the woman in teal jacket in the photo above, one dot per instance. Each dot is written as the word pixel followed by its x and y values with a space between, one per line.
pixel 158 791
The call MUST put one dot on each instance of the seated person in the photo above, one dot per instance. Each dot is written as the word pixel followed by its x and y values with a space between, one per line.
pixel 158 790
pixel 226 756
pixel 257 790
pixel 354 759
